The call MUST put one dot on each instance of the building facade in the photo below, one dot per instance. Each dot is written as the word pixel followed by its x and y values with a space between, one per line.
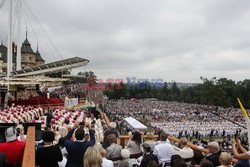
pixel 29 58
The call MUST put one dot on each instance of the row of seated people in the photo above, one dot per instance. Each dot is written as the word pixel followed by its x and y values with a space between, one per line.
pixel 24 95
pixel 70 90
pixel 79 148
pixel 21 114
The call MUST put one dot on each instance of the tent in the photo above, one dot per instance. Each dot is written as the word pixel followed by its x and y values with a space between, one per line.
pixel 134 124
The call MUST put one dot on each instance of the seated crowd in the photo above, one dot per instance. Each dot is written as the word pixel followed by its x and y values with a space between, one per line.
pixel 71 90
pixel 178 119
pixel 79 138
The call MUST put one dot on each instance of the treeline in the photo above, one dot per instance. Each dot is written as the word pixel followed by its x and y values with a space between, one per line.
pixel 220 92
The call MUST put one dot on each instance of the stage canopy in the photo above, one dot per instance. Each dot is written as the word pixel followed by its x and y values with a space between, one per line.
pixel 134 124
pixel 53 67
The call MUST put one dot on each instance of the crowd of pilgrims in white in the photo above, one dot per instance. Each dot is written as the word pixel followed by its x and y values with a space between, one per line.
pixel 179 118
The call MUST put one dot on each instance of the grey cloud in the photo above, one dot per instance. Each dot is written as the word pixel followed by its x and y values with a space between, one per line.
pixel 176 40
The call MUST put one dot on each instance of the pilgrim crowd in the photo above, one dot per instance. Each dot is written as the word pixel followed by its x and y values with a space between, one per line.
pixel 179 119
pixel 81 137
pixel 71 90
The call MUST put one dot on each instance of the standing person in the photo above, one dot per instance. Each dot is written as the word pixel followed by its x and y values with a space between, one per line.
pixel 186 152
pixel 48 155
pixel 114 150
pixel 164 150
pixel 92 157
pixel 150 140
pixel 147 155
pixel 243 157
pixel 77 148
pixel 215 151
pixel 105 161
pixel 63 151
pixel 111 130
pixel 135 143
pixel 125 162
pixel 225 159
pixel 13 148
pixel 48 118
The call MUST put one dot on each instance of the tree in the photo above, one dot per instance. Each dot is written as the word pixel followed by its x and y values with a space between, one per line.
pixel 220 92
pixel 175 89
pixel 91 74
pixel 109 93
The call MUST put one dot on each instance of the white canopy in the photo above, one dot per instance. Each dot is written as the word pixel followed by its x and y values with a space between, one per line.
pixel 133 123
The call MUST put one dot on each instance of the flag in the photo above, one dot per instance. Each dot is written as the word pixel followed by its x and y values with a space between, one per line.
pixel 247 120
pixel 243 109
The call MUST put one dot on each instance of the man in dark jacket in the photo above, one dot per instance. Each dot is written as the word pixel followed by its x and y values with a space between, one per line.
pixel 214 149
pixel 111 130
pixel 148 155
pixel 77 148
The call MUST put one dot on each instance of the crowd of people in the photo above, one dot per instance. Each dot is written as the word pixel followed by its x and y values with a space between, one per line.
pixel 78 90
pixel 79 148
pixel 24 95
pixel 82 137
pixel 179 119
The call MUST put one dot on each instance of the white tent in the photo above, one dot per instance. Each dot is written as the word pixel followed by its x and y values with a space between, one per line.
pixel 134 124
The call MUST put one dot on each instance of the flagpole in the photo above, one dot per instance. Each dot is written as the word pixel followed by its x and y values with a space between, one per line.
pixel 246 119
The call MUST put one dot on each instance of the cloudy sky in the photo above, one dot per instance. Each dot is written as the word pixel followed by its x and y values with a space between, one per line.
pixel 177 40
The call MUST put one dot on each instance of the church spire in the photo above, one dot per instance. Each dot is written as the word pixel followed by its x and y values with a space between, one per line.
pixel 26 47
pixel 26 32
pixel 37 52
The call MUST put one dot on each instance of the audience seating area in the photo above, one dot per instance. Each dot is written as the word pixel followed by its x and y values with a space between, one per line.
pixel 63 127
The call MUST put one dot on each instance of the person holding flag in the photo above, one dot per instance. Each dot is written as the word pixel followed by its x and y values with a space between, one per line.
pixel 244 157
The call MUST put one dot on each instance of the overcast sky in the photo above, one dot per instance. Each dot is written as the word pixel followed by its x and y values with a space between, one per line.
pixel 177 40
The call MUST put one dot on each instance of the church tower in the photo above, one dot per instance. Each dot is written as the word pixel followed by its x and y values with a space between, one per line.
pixel 39 59
pixel 28 57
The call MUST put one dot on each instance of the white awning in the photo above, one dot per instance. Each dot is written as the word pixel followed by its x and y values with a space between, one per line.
pixel 30 80
pixel 133 123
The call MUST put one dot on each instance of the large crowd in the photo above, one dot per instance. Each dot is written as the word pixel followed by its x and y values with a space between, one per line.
pixel 82 137
pixel 71 90
pixel 179 119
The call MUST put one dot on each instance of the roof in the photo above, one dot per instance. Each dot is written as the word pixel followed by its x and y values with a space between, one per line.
pixel 30 80
pixel 134 124
pixel 52 67
pixel 38 56
pixel 26 47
